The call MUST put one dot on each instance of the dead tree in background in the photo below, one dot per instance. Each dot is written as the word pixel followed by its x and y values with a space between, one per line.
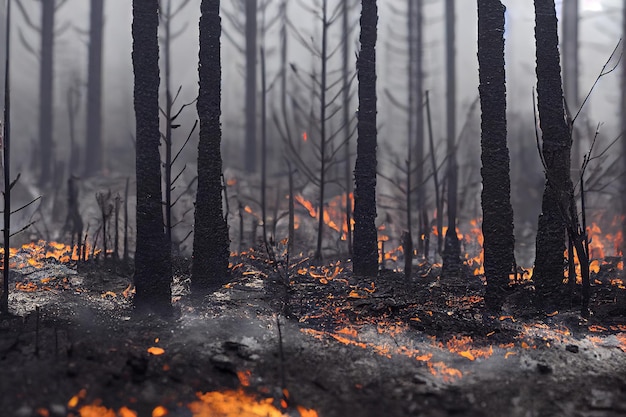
pixel 365 259
pixel 153 269
pixel 93 141
pixel 250 148
pixel 211 242
pixel 320 137
pixel 548 272
pixel 496 193
pixel 569 52
pixel 416 98
pixel 166 16
pixel 452 247
pixel 73 99
pixel 46 81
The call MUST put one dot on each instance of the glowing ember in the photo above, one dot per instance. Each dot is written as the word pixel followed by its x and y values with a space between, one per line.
pixel 441 369
pixel 244 378
pixel 238 404
pixel 156 351
pixel 463 347
pixel 159 411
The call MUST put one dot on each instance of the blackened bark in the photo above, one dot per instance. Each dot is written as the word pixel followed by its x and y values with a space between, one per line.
pixel 211 243
pixel 496 193
pixel 251 146
pixel 416 37
pixel 365 261
pixel 323 138
pixel 46 77
pixel 93 148
pixel 452 247
pixel 345 85
pixel 152 256
pixel 548 272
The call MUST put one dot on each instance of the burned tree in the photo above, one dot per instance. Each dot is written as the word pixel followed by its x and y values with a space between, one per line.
pixel 550 246
pixel 496 193
pixel 45 56
pixel 365 260
pixel 452 247
pixel 211 242
pixel 250 151
pixel 93 141
pixel 152 256
pixel 569 50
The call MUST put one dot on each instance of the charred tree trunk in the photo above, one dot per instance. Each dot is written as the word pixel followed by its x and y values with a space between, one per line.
pixel 250 151
pixel 323 139
pixel 345 82
pixel 46 80
pixel 93 148
pixel 416 73
pixel 211 243
pixel 152 257
pixel 452 248
pixel 365 260
pixel 496 193
pixel 167 44
pixel 548 272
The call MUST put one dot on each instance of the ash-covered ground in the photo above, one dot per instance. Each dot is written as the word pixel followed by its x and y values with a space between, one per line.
pixel 313 340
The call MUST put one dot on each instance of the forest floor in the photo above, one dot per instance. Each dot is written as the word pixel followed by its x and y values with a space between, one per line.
pixel 318 342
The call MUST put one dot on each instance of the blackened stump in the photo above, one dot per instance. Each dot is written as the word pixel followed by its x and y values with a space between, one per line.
pixel 365 260
pixel 211 245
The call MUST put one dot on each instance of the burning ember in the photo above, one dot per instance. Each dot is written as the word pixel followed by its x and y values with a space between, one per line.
pixel 230 403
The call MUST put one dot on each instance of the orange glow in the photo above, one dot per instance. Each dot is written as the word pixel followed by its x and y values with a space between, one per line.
pixel 597 329
pixel 73 402
pixel 244 377
pixel 463 347
pixel 156 351
pixel 96 411
pixel 334 213
pixel 159 411
pixel 305 137
pixel 238 404
pixel 441 369
pixel 126 412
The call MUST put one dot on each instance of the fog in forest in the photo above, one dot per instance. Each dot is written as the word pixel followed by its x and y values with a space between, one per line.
pixel 600 29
